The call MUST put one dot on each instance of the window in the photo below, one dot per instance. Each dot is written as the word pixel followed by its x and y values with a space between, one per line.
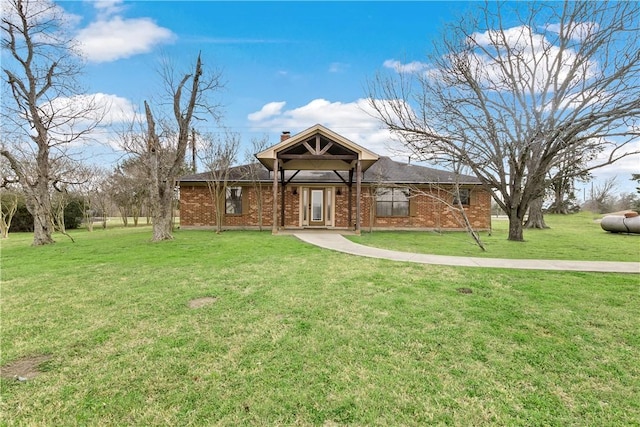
pixel 465 197
pixel 392 202
pixel 234 200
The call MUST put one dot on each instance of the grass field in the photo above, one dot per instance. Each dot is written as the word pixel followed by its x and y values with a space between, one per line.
pixel 573 237
pixel 297 335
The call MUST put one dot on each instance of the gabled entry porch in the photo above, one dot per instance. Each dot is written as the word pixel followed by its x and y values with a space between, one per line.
pixel 316 149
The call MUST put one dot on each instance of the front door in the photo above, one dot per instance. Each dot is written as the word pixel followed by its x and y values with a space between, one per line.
pixel 317 210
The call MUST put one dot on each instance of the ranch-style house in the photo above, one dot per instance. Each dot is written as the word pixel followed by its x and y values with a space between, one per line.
pixel 318 179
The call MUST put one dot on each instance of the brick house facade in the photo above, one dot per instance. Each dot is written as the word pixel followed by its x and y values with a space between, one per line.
pixel 316 174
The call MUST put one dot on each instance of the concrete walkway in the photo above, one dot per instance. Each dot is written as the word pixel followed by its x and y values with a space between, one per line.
pixel 337 242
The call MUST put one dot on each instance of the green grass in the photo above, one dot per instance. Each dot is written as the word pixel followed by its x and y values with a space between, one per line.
pixel 570 237
pixel 303 336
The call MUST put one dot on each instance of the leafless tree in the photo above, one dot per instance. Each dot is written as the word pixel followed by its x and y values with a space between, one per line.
pixel 43 112
pixel 636 177
pixel 101 198
pixel 90 191
pixel 59 203
pixel 190 97
pixel 602 196
pixel 8 208
pixel 10 195
pixel 129 188
pixel 441 195
pixel 254 167
pixel 562 184
pixel 570 165
pixel 508 102
pixel 218 156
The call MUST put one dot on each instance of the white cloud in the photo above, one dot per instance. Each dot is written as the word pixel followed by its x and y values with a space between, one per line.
pixel 538 63
pixel 338 67
pixel 624 166
pixel 534 58
pixel 107 8
pixel 411 67
pixel 100 111
pixel 117 108
pixel 117 38
pixel 46 14
pixel 353 120
pixel 268 110
pixel 577 31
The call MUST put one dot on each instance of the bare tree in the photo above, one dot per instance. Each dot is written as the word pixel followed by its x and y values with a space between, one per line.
pixel 189 97
pixel 510 101
pixel 570 165
pixel 90 191
pixel 254 167
pixel 219 154
pixel 43 112
pixel 59 203
pixel 8 208
pixel 452 197
pixel 562 182
pixel 636 177
pixel 101 198
pixel 8 197
pixel 127 187
pixel 602 196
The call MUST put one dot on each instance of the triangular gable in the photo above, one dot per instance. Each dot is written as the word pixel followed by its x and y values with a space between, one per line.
pixel 304 152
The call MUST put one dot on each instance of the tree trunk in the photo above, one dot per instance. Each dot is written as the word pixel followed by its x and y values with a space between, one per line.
pixel 559 206
pixel 515 226
pixel 259 207
pixel 87 213
pixel 536 217
pixel 162 212
pixel 220 206
pixel 39 206
pixel 8 206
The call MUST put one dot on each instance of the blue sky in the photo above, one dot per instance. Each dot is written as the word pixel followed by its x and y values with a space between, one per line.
pixel 287 65
pixel 269 52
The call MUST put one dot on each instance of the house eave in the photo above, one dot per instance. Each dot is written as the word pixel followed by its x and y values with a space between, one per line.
pixel 267 157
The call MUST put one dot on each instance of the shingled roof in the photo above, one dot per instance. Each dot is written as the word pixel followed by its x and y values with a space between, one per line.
pixel 385 170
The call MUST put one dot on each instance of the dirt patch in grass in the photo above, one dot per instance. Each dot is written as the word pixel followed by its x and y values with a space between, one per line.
pixel 23 369
pixel 201 302
pixel 464 290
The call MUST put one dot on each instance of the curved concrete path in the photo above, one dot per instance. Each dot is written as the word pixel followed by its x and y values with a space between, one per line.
pixel 338 243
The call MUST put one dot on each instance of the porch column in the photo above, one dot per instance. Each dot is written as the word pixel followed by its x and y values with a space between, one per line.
pixel 350 197
pixel 358 192
pixel 282 185
pixel 274 229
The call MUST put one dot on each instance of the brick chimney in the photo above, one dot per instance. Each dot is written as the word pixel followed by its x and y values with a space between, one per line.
pixel 285 135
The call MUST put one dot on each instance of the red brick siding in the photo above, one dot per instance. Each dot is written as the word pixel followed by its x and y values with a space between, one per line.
pixel 197 209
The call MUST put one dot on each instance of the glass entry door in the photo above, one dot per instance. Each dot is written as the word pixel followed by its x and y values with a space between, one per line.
pixel 317 207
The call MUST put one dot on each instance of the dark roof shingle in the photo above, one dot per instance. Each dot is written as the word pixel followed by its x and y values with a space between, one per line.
pixel 385 170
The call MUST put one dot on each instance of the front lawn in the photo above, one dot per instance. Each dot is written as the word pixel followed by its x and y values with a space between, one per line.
pixel 570 237
pixel 297 335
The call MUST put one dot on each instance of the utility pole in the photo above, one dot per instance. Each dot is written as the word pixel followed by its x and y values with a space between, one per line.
pixel 193 150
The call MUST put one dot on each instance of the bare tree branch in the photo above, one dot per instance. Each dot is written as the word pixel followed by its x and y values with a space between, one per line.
pixel 47 114
pixel 511 101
